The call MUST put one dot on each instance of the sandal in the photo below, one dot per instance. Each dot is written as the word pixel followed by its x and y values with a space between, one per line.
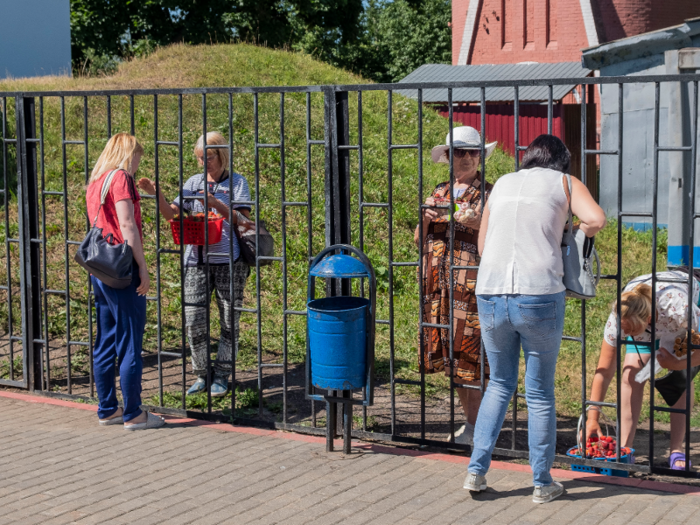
pixel 112 421
pixel 678 456
pixel 118 420
pixel 152 421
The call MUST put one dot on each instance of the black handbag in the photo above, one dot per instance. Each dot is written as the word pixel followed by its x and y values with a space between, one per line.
pixel 110 263
pixel 246 233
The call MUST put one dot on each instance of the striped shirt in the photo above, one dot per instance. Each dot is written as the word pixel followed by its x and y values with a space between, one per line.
pixel 234 188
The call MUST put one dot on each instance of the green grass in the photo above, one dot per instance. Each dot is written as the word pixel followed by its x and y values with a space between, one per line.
pixel 247 65
pixel 246 402
pixel 16 368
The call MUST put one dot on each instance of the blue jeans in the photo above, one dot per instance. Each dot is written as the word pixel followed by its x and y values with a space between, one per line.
pixel 121 320
pixel 536 322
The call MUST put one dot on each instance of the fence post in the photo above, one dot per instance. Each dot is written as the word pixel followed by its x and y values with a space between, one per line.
pixel 337 193
pixel 29 251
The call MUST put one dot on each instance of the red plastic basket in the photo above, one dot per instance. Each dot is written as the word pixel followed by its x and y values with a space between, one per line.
pixel 194 230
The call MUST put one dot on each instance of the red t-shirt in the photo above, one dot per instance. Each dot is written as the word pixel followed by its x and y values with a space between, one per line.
pixel 122 187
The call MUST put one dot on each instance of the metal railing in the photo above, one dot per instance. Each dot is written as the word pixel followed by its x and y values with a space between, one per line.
pixel 341 193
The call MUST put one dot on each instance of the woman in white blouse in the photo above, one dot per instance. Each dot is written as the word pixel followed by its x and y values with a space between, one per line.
pixel 520 296
pixel 671 322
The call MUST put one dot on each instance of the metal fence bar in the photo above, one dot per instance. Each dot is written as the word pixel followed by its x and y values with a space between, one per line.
pixel 618 303
pixel 159 317
pixel 309 211
pixel 421 264
pixel 390 219
pixel 257 250
pixel 66 234
pixel 181 202
pixel 44 271
pixel 231 260
pixel 584 379
pixel 450 295
pixel 691 280
pixel 285 304
pixel 654 233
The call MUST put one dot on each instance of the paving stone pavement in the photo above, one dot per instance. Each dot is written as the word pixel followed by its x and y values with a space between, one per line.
pixel 57 466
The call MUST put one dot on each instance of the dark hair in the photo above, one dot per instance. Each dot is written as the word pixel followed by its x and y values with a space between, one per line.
pixel 547 151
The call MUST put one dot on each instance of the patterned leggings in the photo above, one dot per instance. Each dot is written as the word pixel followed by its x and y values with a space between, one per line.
pixel 196 316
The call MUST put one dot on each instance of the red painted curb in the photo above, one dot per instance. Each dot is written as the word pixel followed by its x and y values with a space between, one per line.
pixel 48 401
pixel 658 486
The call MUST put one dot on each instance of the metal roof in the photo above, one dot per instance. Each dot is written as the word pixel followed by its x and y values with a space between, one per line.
pixel 484 73
pixel 643 45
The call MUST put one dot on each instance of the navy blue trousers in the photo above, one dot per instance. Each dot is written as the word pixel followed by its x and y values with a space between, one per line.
pixel 121 320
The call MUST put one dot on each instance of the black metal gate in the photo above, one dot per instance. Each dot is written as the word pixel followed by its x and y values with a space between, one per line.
pixel 319 178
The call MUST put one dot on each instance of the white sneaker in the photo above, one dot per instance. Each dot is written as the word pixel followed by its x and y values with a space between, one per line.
pixel 475 482
pixel 465 435
pixel 547 493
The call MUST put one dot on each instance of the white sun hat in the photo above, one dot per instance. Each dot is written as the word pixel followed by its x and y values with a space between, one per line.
pixel 465 137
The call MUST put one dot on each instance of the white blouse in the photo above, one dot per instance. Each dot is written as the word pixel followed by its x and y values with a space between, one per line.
pixel 522 251
pixel 671 310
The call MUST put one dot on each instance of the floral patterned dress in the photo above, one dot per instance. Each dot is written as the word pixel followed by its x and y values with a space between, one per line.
pixel 435 302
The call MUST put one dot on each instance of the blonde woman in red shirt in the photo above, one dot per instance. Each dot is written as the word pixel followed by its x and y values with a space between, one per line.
pixel 121 313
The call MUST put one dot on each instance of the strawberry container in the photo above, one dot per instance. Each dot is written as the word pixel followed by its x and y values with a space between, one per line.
pixel 573 452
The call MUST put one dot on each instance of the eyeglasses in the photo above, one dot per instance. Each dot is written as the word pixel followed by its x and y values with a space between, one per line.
pixel 459 153
pixel 210 158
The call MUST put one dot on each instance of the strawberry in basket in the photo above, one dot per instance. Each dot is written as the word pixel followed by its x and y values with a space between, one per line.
pixel 602 447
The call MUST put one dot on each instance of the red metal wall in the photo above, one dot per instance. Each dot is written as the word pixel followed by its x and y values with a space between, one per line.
pixel 500 122
pixel 566 124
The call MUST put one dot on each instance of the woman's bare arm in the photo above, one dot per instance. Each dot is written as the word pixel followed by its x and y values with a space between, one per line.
pixel 130 232
pixel 585 207
pixel 483 228
pixel 167 209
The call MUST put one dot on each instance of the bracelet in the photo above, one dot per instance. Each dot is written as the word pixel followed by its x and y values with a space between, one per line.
pixel 593 407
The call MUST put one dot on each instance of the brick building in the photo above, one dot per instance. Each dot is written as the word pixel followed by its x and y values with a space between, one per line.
pixel 513 31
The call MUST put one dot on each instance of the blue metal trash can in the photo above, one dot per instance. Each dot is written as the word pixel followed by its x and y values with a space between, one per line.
pixel 338 342
pixel 340 338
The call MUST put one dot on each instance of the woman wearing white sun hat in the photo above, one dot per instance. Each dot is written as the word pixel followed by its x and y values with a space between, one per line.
pixel 435 250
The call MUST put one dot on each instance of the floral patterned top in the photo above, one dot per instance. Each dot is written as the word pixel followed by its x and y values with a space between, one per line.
pixel 671 309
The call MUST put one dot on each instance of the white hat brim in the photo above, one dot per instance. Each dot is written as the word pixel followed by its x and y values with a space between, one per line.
pixel 441 154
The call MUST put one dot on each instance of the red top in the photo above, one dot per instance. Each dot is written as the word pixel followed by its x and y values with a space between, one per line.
pixel 122 187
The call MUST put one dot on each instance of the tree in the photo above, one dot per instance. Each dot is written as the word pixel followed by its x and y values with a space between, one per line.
pixel 383 40
pixel 105 30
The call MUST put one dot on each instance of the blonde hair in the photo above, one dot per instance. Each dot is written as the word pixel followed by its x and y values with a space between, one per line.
pixel 635 306
pixel 119 153
pixel 214 138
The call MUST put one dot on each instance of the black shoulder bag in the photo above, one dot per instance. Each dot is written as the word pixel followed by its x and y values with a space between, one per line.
pixel 110 263
pixel 245 230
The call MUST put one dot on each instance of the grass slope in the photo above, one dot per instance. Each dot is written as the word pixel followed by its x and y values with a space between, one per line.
pixel 182 66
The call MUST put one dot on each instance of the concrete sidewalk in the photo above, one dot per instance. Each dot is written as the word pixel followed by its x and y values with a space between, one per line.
pixel 58 466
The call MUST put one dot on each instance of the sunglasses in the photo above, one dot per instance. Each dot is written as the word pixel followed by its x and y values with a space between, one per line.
pixel 459 153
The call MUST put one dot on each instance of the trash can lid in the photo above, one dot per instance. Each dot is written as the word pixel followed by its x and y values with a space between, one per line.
pixel 339 266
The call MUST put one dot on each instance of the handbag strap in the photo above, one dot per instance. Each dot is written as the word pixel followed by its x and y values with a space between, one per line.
pixel 103 195
pixel 571 215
